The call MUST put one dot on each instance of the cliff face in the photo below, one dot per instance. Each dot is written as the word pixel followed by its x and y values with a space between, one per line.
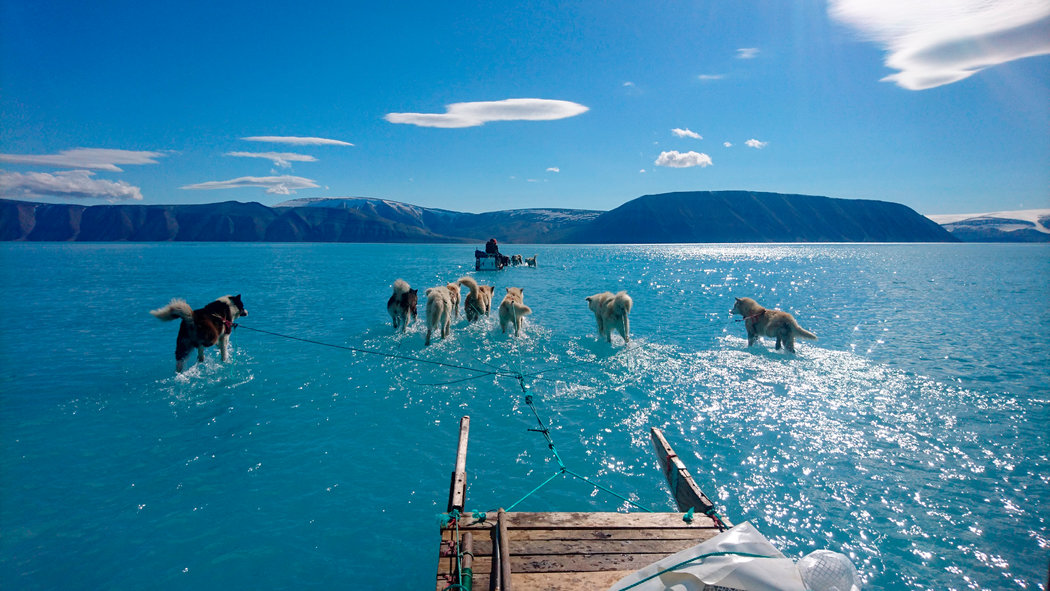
pixel 214 222
pixel 722 216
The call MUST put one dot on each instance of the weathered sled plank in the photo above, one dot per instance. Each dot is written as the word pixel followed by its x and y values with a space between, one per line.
pixel 570 550
pixel 686 493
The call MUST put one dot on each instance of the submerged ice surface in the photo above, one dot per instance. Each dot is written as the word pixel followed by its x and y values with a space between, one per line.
pixel 909 436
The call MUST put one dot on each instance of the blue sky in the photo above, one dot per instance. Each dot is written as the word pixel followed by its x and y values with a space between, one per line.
pixel 943 106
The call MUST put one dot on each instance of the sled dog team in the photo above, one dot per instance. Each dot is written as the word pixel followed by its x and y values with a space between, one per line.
pixel 610 310
pixel 213 323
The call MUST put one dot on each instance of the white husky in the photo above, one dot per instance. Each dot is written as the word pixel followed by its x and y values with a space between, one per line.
pixel 439 311
pixel 611 311
pixel 512 309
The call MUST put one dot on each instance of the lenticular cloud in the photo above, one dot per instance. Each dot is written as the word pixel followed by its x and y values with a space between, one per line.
pixel 937 42
pixel 479 113
pixel 275 185
pixel 71 184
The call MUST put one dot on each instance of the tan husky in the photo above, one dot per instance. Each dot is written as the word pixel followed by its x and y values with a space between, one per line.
pixel 761 322
pixel 453 295
pixel 478 302
pixel 439 311
pixel 612 310
pixel 512 309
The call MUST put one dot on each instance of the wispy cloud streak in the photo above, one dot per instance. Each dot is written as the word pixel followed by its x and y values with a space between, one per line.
pixel 478 113
pixel 280 159
pixel 277 185
pixel 938 42
pixel 296 141
pixel 92 158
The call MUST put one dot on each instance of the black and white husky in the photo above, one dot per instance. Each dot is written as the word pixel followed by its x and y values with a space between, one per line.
pixel 402 305
pixel 202 328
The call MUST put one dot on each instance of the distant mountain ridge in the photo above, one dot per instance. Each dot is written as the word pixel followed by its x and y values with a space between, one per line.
pixel 1025 225
pixel 703 216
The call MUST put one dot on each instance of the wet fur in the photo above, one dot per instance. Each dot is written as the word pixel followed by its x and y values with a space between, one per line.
pixel 402 305
pixel 531 261
pixel 515 260
pixel 202 328
pixel 512 309
pixel 439 311
pixel 478 302
pixel 453 294
pixel 612 312
pixel 761 322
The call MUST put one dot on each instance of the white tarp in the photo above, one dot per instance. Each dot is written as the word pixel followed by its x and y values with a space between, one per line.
pixel 725 572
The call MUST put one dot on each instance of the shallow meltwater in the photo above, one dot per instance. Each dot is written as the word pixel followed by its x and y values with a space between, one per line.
pixel 324 447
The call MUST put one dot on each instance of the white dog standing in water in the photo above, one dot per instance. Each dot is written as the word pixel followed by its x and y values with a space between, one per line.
pixel 439 311
pixel 611 311
pixel 512 309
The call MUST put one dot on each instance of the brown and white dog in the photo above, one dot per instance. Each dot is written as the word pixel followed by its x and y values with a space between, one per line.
pixel 402 305
pixel 760 322
pixel 439 311
pixel 453 296
pixel 515 259
pixel 478 302
pixel 202 328
pixel 531 261
pixel 612 312
pixel 512 309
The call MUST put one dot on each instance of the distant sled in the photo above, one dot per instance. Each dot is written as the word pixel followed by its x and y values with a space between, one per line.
pixel 489 261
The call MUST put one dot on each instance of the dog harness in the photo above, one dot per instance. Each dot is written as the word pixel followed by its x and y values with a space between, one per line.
pixel 754 316
pixel 226 322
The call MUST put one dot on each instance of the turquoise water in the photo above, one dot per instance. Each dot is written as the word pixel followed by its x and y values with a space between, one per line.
pixel 911 436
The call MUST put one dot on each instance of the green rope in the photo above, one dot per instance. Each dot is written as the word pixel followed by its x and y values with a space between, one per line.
pixel 694 559
pixel 563 469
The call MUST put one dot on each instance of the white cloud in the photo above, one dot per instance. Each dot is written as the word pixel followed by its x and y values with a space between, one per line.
pixel 628 83
pixel 94 158
pixel 938 42
pixel 296 141
pixel 554 169
pixel 686 133
pixel 746 53
pixel 753 143
pixel 479 113
pixel 709 77
pixel 73 184
pixel 277 185
pixel 674 159
pixel 641 171
pixel 280 159
pixel 727 144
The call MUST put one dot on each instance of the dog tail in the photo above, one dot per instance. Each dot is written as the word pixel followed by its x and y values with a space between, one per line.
pixel 401 286
pixel 799 331
pixel 470 283
pixel 622 303
pixel 519 310
pixel 178 308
